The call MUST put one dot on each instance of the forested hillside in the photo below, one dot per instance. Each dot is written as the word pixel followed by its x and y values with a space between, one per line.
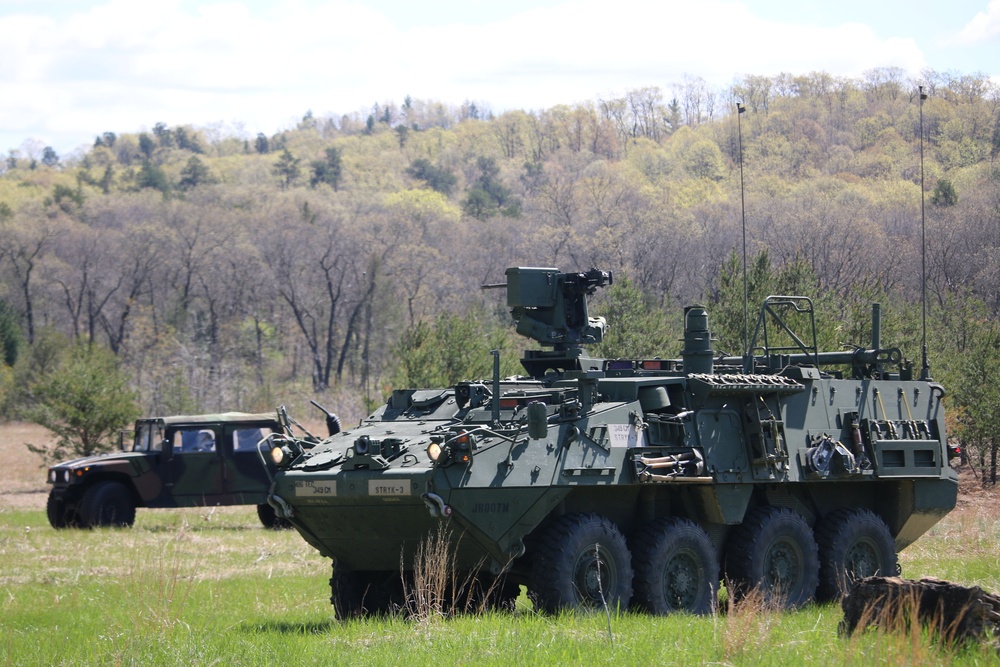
pixel 330 259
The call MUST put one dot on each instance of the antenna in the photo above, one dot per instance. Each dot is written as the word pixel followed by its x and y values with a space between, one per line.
pixel 925 368
pixel 743 215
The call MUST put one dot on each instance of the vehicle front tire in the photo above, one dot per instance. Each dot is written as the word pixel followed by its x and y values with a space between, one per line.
pixel 774 550
pixel 55 509
pixel 853 544
pixel 676 568
pixel 270 519
pixel 107 504
pixel 582 561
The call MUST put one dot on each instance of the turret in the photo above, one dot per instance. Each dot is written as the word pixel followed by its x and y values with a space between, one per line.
pixel 551 308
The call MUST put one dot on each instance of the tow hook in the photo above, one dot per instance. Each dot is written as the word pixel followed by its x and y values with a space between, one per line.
pixel 436 506
pixel 283 509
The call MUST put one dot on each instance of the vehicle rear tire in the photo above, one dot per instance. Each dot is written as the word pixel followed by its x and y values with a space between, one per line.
pixel 773 550
pixel 853 544
pixel 582 561
pixel 676 569
pixel 270 519
pixel 55 509
pixel 107 504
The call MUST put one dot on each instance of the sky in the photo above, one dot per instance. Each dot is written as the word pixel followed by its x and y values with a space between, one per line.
pixel 71 70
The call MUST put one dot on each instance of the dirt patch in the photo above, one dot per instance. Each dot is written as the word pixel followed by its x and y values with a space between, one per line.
pixel 972 495
pixel 22 474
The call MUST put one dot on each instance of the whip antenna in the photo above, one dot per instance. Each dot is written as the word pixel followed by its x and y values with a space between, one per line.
pixel 743 216
pixel 925 368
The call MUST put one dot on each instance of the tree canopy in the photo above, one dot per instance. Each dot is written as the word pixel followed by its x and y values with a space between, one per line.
pixel 252 270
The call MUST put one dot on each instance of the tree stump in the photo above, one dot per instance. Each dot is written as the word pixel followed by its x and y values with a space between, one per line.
pixel 956 613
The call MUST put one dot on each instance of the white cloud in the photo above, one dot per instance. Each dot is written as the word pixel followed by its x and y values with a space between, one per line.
pixel 120 66
pixel 983 27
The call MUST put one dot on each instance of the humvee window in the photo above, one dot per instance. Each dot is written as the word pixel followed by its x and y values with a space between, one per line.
pixel 200 440
pixel 246 439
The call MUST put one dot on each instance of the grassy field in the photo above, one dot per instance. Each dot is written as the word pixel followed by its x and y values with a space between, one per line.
pixel 210 587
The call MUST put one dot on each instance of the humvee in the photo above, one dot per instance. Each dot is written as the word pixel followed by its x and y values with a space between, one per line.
pixel 182 461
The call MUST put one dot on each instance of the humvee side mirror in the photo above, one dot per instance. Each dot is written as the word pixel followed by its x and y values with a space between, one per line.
pixel 167 448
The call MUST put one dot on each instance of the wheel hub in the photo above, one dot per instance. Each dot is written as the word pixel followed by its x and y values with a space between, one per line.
pixel 782 567
pixel 593 577
pixel 681 579
pixel 863 560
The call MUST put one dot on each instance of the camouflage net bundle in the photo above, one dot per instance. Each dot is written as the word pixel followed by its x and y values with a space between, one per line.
pixel 956 613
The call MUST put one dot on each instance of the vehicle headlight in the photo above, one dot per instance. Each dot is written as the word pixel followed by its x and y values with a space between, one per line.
pixel 434 452
pixel 283 451
pixel 281 456
pixel 458 449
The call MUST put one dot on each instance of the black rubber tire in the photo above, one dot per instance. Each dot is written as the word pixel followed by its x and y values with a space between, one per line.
pixel 361 594
pixel 773 550
pixel 270 519
pixel 853 544
pixel 676 568
pixel 582 562
pixel 55 509
pixel 107 504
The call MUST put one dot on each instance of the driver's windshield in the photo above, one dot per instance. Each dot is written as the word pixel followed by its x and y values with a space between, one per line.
pixel 148 437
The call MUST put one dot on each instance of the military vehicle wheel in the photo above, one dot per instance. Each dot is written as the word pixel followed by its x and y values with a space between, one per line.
pixel 359 594
pixel 107 504
pixel 55 509
pixel 270 519
pixel 676 568
pixel 582 561
pixel 774 550
pixel 853 544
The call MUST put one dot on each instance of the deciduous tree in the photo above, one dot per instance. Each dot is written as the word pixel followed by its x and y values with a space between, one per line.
pixel 84 402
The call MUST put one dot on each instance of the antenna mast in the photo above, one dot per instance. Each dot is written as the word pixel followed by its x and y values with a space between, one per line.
pixel 925 368
pixel 743 215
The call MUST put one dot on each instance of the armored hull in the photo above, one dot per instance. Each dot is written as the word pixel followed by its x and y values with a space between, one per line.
pixel 596 481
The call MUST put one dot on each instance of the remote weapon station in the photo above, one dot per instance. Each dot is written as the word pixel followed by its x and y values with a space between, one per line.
pixel 641 482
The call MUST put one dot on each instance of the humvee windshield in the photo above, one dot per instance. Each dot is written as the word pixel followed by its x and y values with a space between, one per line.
pixel 148 437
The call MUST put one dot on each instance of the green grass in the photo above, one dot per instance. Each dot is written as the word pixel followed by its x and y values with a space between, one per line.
pixel 195 587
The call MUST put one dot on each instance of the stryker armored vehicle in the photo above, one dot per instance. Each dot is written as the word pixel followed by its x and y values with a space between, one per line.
pixel 178 461
pixel 639 482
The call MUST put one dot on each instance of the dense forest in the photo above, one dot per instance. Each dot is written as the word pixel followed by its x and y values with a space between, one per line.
pixel 335 258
